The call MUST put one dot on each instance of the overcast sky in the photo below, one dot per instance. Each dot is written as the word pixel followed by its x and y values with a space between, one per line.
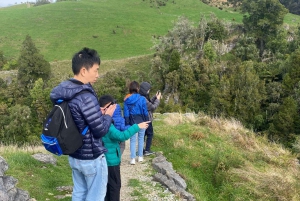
pixel 4 3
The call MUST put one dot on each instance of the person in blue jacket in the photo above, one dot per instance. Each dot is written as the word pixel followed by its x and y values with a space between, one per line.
pixel 88 163
pixel 111 142
pixel 135 111
pixel 119 123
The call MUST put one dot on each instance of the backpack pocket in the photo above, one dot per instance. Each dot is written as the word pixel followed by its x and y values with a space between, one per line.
pixel 51 144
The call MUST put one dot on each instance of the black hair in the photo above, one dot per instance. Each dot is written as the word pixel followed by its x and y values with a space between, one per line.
pixel 84 58
pixel 103 100
pixel 134 87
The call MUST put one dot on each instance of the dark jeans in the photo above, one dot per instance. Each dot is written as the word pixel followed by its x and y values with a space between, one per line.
pixel 148 137
pixel 113 184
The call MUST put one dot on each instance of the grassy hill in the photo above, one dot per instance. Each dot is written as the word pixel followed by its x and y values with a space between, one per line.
pixel 218 158
pixel 117 29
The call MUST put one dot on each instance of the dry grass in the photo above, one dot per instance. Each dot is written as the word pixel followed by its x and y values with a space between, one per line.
pixel 230 129
pixel 198 135
pixel 174 119
pixel 179 143
pixel 270 172
pixel 28 149
pixel 271 184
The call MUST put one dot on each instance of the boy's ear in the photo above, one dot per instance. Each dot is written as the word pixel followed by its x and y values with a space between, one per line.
pixel 83 71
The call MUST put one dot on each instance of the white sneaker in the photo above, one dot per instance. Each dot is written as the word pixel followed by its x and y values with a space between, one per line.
pixel 132 162
pixel 141 159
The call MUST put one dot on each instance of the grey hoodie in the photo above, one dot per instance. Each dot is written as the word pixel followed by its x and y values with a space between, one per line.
pixel 152 103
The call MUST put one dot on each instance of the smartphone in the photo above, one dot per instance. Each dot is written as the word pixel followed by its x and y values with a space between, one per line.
pixel 112 103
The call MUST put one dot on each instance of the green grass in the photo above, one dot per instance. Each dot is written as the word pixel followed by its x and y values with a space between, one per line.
pixel 219 160
pixel 38 178
pixel 221 163
pixel 61 29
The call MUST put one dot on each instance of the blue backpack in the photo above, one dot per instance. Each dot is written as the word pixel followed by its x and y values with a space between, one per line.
pixel 60 134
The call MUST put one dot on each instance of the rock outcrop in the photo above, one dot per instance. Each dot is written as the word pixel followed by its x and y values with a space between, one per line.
pixel 8 190
pixel 168 177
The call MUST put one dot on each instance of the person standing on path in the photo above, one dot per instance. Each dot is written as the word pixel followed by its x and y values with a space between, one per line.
pixel 113 156
pixel 135 112
pixel 88 163
pixel 152 104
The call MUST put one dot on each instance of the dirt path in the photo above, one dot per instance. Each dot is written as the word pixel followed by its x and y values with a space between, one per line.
pixel 141 175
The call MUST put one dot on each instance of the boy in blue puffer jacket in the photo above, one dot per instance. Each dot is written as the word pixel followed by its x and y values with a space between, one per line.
pixel 111 142
pixel 119 123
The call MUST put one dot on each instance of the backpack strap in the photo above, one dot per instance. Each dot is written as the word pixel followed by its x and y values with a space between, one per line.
pixel 82 92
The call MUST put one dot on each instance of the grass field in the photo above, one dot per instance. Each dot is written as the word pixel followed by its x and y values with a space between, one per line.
pixel 117 29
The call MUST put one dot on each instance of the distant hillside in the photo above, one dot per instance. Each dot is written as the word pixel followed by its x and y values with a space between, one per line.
pixel 117 29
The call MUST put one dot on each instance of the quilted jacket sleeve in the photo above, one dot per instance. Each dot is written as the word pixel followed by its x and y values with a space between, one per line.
pixel 98 124
pixel 119 120
pixel 126 114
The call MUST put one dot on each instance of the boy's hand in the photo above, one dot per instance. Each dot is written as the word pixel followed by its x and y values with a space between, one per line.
pixel 144 125
pixel 110 110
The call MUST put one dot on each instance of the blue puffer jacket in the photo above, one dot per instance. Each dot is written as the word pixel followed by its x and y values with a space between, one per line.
pixel 86 112
pixel 119 121
pixel 135 109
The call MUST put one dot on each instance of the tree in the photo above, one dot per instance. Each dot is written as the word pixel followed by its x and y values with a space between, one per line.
pixel 285 121
pixel 172 82
pixel 239 95
pixel 262 19
pixel 292 76
pixel 215 30
pixel 278 44
pixel 113 82
pixel 18 129
pixel 32 65
pixel 41 2
pixel 41 103
pixel 245 49
pixel 209 52
pixel 174 62
pixel 190 93
pixel 292 5
pixel 234 3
